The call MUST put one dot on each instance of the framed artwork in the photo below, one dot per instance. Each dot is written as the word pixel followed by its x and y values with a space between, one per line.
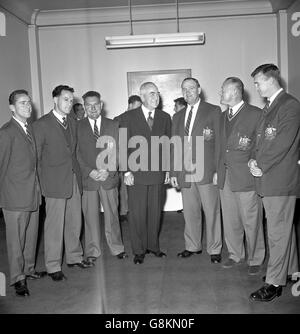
pixel 167 81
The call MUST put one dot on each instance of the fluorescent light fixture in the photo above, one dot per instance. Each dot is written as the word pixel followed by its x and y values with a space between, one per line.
pixel 137 41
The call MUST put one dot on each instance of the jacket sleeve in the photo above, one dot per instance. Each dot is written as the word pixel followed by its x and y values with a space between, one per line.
pixel 286 133
pixel 5 152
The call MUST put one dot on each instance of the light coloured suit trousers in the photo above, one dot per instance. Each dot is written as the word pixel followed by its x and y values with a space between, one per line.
pixel 283 258
pixel 21 238
pixel 194 198
pixel 91 210
pixel 242 216
pixel 63 225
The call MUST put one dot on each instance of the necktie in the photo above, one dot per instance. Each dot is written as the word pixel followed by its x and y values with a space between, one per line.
pixel 188 122
pixel 29 136
pixel 150 120
pixel 96 130
pixel 266 107
pixel 230 114
pixel 64 122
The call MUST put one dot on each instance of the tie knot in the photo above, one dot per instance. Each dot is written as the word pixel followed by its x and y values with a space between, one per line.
pixel 230 112
pixel 149 114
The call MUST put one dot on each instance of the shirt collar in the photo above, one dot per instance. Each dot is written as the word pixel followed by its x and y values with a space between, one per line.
pixel 59 116
pixel 195 106
pixel 273 97
pixel 237 107
pixel 146 112
pixel 21 123
pixel 98 122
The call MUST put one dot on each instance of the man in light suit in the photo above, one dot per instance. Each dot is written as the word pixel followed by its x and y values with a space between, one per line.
pixel 60 178
pixel 19 192
pixel 241 207
pixel 99 184
pixel 199 118
pixel 276 174
pixel 145 186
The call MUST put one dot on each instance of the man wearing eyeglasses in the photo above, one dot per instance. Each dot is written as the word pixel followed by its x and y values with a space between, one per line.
pixel 99 183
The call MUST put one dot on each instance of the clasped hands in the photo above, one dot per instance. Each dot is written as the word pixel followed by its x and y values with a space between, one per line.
pixel 99 175
pixel 254 169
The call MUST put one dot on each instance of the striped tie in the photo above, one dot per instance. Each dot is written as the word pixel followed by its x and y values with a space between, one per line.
pixel 188 122
pixel 29 136
pixel 266 107
pixel 150 120
pixel 64 123
pixel 230 113
pixel 96 130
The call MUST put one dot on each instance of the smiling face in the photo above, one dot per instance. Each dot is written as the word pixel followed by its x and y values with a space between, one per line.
pixel 93 106
pixel 22 107
pixel 150 96
pixel 190 91
pixel 64 102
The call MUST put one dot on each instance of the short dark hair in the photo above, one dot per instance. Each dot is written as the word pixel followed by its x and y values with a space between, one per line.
pixel 193 79
pixel 91 93
pixel 269 70
pixel 58 89
pixel 75 105
pixel 134 98
pixel 237 82
pixel 13 96
pixel 181 101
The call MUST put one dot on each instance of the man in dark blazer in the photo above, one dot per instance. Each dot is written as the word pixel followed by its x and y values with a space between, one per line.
pixel 241 207
pixel 198 119
pixel 19 192
pixel 98 183
pixel 60 178
pixel 145 185
pixel 134 101
pixel 277 173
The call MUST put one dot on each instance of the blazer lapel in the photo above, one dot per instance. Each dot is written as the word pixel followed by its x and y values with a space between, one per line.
pixel 23 134
pixel 60 130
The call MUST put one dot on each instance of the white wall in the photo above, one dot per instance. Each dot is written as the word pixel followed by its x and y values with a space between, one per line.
pixel 294 49
pixel 14 62
pixel 76 55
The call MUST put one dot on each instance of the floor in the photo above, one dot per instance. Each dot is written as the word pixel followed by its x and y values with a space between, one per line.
pixel 168 285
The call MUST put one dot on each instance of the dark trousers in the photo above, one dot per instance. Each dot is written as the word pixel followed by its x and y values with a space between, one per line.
pixel 145 205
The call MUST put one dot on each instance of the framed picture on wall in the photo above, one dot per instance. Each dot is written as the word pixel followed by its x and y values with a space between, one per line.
pixel 167 81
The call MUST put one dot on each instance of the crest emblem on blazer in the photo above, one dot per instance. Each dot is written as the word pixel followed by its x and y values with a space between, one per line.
pixel 270 132
pixel 244 143
pixel 208 133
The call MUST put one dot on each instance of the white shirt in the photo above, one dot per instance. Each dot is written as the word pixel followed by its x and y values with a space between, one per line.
pixel 194 113
pixel 59 116
pixel 237 107
pixel 273 97
pixel 146 112
pixel 98 122
pixel 21 123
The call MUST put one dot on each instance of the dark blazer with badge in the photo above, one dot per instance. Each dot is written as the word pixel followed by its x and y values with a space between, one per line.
pixel 234 151
pixel 206 125
pixel 56 156
pixel 277 149
pixel 19 188
pixel 135 123
pixel 87 152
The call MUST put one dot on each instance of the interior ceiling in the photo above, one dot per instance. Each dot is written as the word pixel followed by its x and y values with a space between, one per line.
pixel 24 8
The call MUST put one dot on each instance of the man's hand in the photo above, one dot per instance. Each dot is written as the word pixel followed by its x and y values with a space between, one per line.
pixel 103 175
pixel 254 169
pixel 174 182
pixel 94 174
pixel 167 178
pixel 215 179
pixel 129 179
